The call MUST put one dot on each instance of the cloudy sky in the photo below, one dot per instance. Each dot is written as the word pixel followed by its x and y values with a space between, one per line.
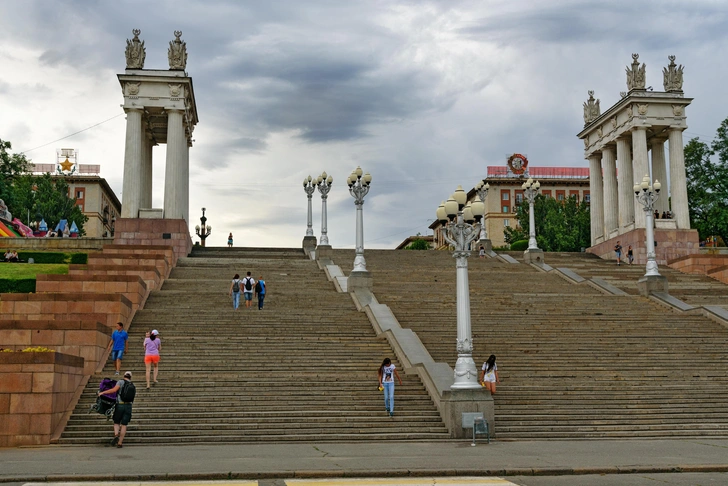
pixel 423 95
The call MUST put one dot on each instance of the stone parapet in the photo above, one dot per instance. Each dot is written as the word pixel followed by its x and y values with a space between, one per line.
pixel 85 339
pixel 55 244
pixel 95 307
pixel 712 265
pixel 168 251
pixel 157 259
pixel 36 391
pixel 671 244
pixel 132 287
pixel 158 232
pixel 149 273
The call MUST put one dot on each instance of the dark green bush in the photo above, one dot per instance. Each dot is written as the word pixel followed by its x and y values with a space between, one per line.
pixel 79 258
pixel 519 245
pixel 17 285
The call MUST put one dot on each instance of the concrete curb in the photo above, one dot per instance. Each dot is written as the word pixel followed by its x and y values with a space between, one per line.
pixel 363 473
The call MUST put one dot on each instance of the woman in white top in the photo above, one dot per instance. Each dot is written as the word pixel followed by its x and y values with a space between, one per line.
pixel 489 374
pixel 387 372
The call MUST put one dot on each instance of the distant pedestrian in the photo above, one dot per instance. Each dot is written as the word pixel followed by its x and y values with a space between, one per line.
pixel 481 253
pixel 618 251
pixel 630 255
pixel 235 291
pixel 489 374
pixel 125 393
pixel 387 372
pixel 260 290
pixel 248 286
pixel 664 215
pixel 657 214
pixel 152 347
pixel 119 344
pixel 230 240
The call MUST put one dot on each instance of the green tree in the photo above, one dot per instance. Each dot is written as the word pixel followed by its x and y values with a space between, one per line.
pixel 707 184
pixel 418 244
pixel 52 201
pixel 12 166
pixel 511 234
pixel 560 225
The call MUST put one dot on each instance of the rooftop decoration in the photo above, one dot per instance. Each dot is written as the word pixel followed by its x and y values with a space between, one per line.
pixel 135 52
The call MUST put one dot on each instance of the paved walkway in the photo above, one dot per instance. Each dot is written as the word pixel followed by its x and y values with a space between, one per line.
pixel 390 459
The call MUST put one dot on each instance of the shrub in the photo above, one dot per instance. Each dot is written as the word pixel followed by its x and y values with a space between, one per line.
pixel 53 257
pixel 37 349
pixel 519 245
pixel 79 258
pixel 17 285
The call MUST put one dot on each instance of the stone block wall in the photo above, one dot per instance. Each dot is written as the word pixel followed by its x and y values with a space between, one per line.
pixel 149 273
pixel 132 259
pixel 131 286
pixel 55 244
pixel 167 232
pixel 105 308
pixel 671 244
pixel 715 266
pixel 36 391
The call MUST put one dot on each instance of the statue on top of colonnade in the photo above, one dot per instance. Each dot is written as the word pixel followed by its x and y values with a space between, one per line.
pixel 135 51
pixel 672 76
pixel 591 109
pixel 636 78
pixel 177 52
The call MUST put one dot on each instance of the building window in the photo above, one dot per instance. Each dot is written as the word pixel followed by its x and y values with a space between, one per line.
pixel 546 194
pixel 79 194
pixel 519 198
pixel 506 222
pixel 587 198
pixel 575 194
pixel 506 209
pixel 560 195
pixel 506 195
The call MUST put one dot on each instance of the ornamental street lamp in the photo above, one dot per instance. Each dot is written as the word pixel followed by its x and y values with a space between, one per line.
pixel 323 183
pixel 358 188
pixel 533 253
pixel 309 241
pixel 482 191
pixel 647 194
pixel 461 225
pixel 203 231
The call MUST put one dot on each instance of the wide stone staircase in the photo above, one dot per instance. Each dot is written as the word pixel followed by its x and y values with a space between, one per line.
pixel 575 363
pixel 303 368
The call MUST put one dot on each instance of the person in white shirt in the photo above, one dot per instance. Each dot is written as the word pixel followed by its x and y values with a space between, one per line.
pixel 387 372
pixel 489 374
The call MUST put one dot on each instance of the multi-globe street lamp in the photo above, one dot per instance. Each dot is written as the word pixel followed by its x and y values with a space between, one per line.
pixel 323 183
pixel 358 188
pixel 647 194
pixel 533 253
pixel 203 231
pixel 482 191
pixel 309 241
pixel 461 225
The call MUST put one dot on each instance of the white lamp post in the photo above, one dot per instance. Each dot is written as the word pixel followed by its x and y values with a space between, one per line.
pixel 482 191
pixel 323 183
pixel 309 241
pixel 646 195
pixel 533 254
pixel 358 183
pixel 461 226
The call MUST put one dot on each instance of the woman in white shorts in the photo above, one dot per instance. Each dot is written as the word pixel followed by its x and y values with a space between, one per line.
pixel 489 374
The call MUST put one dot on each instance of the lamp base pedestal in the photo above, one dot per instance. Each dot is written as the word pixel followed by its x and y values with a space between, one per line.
pixel 456 402
pixel 359 280
pixel 533 255
pixel 323 251
pixel 309 243
pixel 652 283
pixel 485 244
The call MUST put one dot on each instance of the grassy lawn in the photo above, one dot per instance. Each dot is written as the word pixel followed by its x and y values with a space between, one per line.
pixel 30 270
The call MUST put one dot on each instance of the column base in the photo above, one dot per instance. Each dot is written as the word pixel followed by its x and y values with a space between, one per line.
pixel 167 232
pixel 671 244
pixel 323 251
pixel 359 280
pixel 485 244
pixel 309 243
pixel 534 255
pixel 652 283
pixel 455 402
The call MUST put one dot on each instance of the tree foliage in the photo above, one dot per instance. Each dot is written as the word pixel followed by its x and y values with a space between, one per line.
pixel 707 184
pixel 560 225
pixel 418 244
pixel 12 166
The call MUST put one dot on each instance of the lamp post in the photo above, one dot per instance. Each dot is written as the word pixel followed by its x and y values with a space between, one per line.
pixel 461 226
pixel 533 253
pixel 646 194
pixel 309 241
pixel 323 183
pixel 482 191
pixel 358 188
pixel 203 231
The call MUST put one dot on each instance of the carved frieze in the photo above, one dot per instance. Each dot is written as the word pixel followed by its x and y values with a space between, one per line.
pixel 642 108
pixel 636 78
pixel 175 90
pixel 135 51
pixel 678 110
pixel 672 76
pixel 132 89
pixel 591 109
pixel 464 346
pixel 622 94
pixel 600 133
pixel 630 112
pixel 614 123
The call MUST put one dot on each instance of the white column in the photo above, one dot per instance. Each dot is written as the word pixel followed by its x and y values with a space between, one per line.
pixel 640 165
pixel 625 182
pixel 175 166
pixel 596 210
pixel 678 181
pixel 133 155
pixel 146 197
pixel 611 209
pixel 185 183
pixel 659 172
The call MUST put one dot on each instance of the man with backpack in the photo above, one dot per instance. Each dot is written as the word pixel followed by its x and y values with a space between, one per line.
pixel 248 286
pixel 260 290
pixel 125 393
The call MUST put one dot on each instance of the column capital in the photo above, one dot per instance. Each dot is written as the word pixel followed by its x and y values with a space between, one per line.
pixel 640 127
pixel 129 109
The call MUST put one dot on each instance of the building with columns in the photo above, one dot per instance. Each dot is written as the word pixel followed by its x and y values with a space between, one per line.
pixel 624 144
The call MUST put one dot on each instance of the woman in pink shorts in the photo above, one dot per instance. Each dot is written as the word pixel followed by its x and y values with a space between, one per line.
pixel 152 347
